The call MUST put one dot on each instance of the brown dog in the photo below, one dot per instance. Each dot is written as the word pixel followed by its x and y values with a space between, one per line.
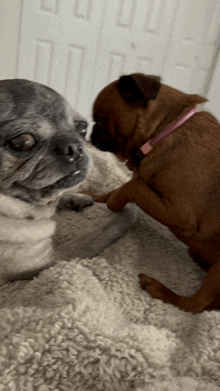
pixel 177 182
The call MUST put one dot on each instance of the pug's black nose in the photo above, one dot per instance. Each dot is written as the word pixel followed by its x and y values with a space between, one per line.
pixel 69 150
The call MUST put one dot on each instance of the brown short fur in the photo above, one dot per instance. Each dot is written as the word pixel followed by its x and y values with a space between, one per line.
pixel 177 182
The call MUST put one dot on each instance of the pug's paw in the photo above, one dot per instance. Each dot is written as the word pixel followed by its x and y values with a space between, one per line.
pixel 75 202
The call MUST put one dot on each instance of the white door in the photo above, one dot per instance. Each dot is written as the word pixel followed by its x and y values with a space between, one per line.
pixel 78 46
pixel 134 38
pixel 59 44
pixel 193 45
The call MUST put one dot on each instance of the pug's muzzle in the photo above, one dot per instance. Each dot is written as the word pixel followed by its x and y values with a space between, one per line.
pixel 42 150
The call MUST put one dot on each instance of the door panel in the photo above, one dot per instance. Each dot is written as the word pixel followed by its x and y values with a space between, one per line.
pixel 58 46
pixel 193 45
pixel 134 38
pixel 78 46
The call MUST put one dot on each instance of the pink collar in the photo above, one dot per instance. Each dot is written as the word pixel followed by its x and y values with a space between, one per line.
pixel 164 133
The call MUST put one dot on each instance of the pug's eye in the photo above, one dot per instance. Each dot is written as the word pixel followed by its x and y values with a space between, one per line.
pixel 81 127
pixel 22 143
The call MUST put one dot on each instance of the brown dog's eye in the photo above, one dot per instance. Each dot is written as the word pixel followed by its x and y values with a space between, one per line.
pixel 22 143
pixel 101 121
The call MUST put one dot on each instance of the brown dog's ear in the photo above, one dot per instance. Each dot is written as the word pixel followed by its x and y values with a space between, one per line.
pixel 138 88
pixel 196 99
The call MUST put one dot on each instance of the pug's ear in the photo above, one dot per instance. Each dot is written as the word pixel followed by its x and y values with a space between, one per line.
pixel 138 89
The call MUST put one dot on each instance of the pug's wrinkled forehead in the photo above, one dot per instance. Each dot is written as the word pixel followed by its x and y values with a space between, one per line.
pixel 23 98
pixel 42 149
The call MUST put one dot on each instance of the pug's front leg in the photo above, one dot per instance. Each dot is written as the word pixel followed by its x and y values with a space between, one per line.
pixel 75 202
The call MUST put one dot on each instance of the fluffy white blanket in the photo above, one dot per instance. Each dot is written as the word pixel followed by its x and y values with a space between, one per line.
pixel 85 324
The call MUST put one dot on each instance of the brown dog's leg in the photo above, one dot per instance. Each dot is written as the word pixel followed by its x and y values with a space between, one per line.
pixel 200 261
pixel 118 198
pixel 100 198
pixel 135 191
pixel 206 298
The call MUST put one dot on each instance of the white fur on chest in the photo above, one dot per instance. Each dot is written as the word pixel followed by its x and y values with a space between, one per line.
pixel 25 238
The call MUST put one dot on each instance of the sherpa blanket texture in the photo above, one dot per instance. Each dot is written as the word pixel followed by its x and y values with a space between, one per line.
pixel 85 324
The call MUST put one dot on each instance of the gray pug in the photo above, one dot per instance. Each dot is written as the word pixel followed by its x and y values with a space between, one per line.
pixel 42 154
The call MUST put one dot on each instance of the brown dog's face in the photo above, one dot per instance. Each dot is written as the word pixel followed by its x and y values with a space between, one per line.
pixel 116 111
pixel 133 109
pixel 41 142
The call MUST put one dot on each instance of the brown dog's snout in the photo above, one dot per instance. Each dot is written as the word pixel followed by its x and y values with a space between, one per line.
pixel 103 141
pixel 70 150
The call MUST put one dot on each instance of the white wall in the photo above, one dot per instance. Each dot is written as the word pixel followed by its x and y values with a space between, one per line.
pixel 214 90
pixel 10 11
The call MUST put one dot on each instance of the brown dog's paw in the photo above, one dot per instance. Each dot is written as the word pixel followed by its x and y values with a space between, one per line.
pixel 111 199
pixel 156 289
pixel 98 198
pixel 114 206
pixel 89 193
pixel 152 286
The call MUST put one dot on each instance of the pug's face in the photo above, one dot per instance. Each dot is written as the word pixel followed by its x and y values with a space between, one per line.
pixel 42 149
